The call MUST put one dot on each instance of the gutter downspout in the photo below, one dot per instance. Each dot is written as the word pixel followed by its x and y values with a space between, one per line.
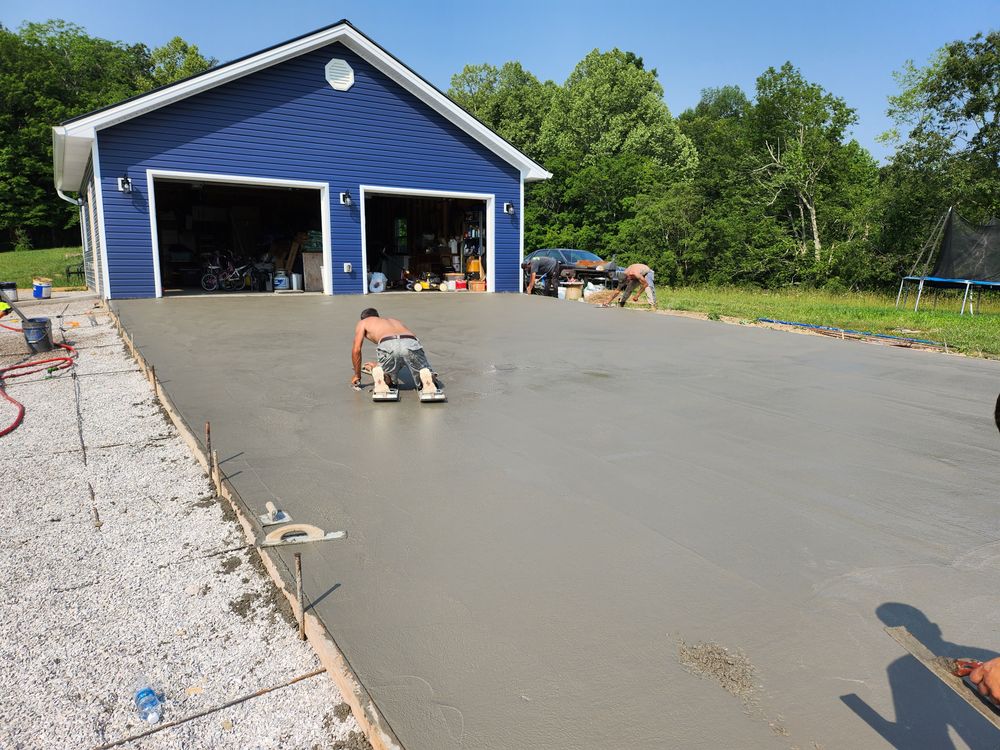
pixel 75 201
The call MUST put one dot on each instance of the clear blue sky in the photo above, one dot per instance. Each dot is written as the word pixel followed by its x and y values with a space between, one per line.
pixel 849 47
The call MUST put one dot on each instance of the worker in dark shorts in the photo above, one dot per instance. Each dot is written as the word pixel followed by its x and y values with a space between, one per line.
pixel 544 268
pixel 395 346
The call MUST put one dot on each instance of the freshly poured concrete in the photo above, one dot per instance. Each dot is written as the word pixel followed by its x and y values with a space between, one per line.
pixel 523 560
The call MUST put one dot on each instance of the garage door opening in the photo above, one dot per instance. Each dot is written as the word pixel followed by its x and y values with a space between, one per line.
pixel 421 243
pixel 214 237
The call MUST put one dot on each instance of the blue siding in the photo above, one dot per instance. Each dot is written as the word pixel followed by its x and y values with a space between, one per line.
pixel 288 122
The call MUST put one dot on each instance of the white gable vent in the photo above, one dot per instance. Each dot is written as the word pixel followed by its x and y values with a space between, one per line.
pixel 339 74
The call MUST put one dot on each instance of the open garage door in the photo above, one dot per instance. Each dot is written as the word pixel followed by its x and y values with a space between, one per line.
pixel 212 236
pixel 421 242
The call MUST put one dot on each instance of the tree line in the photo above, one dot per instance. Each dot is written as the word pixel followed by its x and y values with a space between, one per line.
pixel 50 72
pixel 765 187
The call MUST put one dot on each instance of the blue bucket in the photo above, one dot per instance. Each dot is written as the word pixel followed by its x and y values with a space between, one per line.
pixel 42 289
pixel 38 334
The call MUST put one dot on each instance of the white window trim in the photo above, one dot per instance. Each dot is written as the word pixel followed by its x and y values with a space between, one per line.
pixel 489 198
pixel 99 196
pixel 520 216
pixel 232 179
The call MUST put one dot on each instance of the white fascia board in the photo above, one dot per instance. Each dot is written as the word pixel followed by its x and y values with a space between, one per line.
pixel 349 37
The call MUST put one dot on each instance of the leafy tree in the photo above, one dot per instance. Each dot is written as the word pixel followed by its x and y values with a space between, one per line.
pixel 50 72
pixel 947 139
pixel 611 105
pixel 174 61
pixel 508 99
pixel 799 130
pixel 956 97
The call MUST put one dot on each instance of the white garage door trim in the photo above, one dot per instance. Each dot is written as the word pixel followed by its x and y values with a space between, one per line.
pixel 489 198
pixel 233 179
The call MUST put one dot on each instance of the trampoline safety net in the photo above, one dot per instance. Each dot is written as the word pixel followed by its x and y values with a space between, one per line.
pixel 969 251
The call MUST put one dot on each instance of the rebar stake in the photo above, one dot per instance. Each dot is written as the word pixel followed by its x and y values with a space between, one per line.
pixel 298 596
pixel 217 473
pixel 208 445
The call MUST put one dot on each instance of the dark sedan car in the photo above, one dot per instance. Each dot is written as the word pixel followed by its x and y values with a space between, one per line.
pixel 581 264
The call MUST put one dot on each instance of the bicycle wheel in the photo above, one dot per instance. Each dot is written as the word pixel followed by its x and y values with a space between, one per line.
pixel 210 282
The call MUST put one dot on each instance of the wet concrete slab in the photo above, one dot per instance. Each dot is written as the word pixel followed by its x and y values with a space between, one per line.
pixel 603 485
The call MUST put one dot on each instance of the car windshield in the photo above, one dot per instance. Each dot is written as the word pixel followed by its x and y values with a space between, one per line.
pixel 575 256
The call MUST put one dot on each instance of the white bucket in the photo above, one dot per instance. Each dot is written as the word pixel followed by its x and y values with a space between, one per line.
pixel 452 285
pixel 42 289
pixel 297 282
pixel 8 291
pixel 562 292
pixel 280 280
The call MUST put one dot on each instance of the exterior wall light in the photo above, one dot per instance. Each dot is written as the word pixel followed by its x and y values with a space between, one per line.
pixel 125 184
pixel 508 208
pixel 345 199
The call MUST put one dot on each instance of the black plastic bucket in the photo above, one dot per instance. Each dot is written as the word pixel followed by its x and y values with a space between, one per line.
pixel 38 334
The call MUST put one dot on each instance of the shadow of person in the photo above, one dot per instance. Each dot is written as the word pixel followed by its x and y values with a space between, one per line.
pixel 924 707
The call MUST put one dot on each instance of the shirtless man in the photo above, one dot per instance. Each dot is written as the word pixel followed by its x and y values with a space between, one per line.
pixel 395 346
pixel 639 277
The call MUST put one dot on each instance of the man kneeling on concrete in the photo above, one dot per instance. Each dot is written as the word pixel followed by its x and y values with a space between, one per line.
pixel 395 346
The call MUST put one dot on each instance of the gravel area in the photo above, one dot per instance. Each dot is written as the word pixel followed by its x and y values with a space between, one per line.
pixel 165 587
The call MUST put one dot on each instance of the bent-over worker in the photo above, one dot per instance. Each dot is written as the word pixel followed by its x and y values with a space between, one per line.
pixel 4 308
pixel 542 266
pixel 395 346
pixel 638 277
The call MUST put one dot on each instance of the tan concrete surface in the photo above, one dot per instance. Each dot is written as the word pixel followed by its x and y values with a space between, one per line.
pixel 523 560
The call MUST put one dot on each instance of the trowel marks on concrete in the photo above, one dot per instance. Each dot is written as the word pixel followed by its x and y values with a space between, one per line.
pixel 598 479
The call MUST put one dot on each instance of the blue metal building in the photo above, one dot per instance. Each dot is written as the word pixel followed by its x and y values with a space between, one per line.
pixel 322 128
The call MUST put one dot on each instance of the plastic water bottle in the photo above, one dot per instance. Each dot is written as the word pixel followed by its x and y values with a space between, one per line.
pixel 146 701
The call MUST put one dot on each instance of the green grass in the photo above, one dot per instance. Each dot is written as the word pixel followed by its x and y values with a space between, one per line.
pixel 977 335
pixel 21 266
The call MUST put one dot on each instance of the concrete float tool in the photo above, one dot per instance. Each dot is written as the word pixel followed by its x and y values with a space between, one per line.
pixel 381 390
pixel 949 671
pixel 300 533
pixel 429 391
pixel 273 515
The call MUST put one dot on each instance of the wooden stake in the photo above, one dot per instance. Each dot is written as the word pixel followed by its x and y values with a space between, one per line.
pixel 298 596
pixel 216 473
pixel 152 376
pixel 208 444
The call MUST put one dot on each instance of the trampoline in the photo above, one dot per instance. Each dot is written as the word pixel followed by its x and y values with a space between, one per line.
pixel 969 259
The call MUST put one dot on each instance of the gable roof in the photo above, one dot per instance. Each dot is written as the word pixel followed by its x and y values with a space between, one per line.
pixel 72 140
